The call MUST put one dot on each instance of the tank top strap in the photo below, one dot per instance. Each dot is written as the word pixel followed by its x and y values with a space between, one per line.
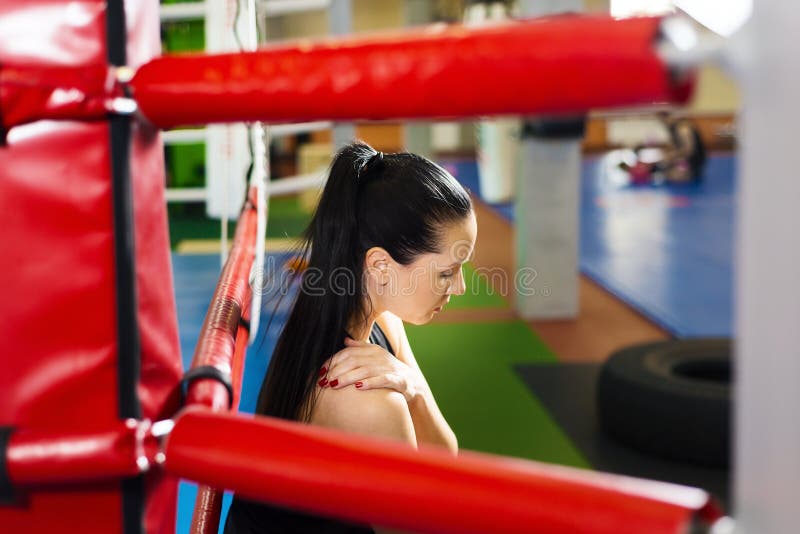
pixel 377 337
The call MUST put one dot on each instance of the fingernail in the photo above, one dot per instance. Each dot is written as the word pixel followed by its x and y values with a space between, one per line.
pixel 359 384
pixel 323 371
pixel 334 383
pixel 323 382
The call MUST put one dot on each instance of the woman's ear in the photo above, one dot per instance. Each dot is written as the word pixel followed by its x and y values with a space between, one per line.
pixel 376 263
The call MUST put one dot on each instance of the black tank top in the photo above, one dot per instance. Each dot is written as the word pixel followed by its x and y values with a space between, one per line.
pixel 250 517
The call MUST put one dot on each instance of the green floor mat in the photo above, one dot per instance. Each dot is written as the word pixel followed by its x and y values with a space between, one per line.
pixel 478 293
pixel 469 369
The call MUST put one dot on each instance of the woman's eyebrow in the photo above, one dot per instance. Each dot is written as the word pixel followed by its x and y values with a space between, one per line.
pixel 470 257
pixel 457 263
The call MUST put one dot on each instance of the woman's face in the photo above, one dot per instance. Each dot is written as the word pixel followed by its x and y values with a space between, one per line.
pixel 418 291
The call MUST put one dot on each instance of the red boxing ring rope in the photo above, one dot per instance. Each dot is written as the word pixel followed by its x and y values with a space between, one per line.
pixel 208 504
pixel 223 344
pixel 220 331
pixel 564 64
pixel 46 457
pixel 29 93
pixel 552 65
pixel 393 485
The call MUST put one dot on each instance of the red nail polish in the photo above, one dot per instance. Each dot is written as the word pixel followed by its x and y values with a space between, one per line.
pixel 359 384
pixel 334 383
pixel 323 371
pixel 323 382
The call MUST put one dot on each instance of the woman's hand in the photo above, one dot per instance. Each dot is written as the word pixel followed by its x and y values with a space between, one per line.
pixel 369 366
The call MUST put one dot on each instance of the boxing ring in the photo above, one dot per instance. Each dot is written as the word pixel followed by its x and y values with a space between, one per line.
pixel 97 419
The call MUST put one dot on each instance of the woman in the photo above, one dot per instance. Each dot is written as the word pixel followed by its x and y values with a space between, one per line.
pixel 386 245
pixel 683 159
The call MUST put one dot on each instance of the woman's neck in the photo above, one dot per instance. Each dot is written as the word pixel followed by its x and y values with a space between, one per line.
pixel 360 329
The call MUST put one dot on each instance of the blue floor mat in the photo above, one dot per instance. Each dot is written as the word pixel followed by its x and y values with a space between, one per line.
pixel 665 250
pixel 195 279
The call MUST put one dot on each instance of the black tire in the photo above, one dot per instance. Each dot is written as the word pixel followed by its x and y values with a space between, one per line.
pixel 671 399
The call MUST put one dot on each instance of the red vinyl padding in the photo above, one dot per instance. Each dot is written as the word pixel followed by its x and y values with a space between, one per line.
pixel 58 285
pixel 561 64
pixel 393 485
pixel 218 336
pixel 223 344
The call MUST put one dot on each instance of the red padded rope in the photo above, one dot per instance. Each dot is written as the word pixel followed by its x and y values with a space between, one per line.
pixel 218 336
pixel 43 457
pixel 237 366
pixel 552 65
pixel 207 510
pixel 31 92
pixel 208 503
pixel 384 483
pixel 223 344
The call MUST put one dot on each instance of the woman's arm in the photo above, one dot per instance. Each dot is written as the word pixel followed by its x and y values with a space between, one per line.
pixel 430 425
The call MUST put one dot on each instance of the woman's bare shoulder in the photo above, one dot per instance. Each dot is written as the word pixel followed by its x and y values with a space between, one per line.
pixel 375 412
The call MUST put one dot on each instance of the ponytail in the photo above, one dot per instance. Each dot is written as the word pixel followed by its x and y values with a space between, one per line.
pixel 329 293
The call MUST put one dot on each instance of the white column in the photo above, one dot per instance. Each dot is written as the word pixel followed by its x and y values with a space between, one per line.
pixel 767 393
pixel 546 237
pixel 547 212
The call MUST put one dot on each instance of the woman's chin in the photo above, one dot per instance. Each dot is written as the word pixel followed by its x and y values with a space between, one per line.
pixel 422 320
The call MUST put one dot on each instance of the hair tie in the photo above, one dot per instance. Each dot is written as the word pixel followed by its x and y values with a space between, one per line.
pixel 375 160
pixel 378 156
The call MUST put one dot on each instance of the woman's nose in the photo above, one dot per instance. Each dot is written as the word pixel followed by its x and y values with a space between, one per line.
pixel 460 285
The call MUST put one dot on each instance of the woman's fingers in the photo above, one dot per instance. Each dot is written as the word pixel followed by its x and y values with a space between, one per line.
pixel 359 360
pixel 363 379
pixel 343 367
pixel 339 357
pixel 348 371
pixel 386 381
pixel 366 373
pixel 362 349
pixel 350 377
pixel 369 383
